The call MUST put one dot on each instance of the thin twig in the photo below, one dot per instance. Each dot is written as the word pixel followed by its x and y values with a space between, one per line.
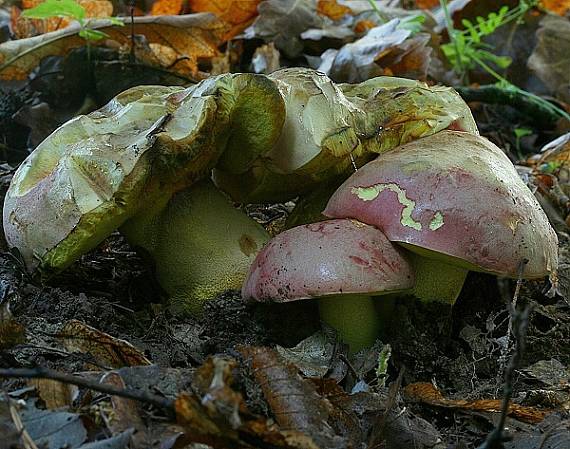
pixel 129 393
pixel 519 327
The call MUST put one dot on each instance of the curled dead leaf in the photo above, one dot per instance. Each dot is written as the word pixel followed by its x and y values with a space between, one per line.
pixel 332 10
pixel 426 393
pixel 239 14
pixel 105 349
pixel 193 37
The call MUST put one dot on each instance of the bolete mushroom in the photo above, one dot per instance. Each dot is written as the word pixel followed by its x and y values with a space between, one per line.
pixel 132 164
pixel 456 201
pixel 343 262
pixel 329 128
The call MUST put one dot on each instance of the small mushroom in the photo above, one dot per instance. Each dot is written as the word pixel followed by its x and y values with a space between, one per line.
pixel 344 263
pixel 456 201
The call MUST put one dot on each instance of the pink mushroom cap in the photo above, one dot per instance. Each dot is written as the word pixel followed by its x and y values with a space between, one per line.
pixel 455 194
pixel 327 258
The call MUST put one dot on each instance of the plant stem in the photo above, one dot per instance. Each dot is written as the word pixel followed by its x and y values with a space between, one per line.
pixel 545 104
pixel 382 17
pixel 451 32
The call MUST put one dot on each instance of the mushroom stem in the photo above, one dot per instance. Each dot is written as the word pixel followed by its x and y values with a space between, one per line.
pixel 202 245
pixel 354 317
pixel 437 280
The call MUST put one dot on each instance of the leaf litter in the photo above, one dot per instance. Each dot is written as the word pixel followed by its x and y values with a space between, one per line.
pixel 242 376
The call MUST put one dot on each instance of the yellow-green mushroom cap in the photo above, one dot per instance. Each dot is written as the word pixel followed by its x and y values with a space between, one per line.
pixel 331 128
pixel 96 170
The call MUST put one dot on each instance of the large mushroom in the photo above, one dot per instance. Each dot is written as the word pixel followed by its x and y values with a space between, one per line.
pixel 330 128
pixel 343 263
pixel 457 203
pixel 133 164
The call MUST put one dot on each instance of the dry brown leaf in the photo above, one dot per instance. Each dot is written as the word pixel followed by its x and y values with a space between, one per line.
pixel 221 419
pixel 125 414
pixel 11 331
pixel 560 7
pixel 105 349
pixel 332 10
pixel 427 4
pixel 425 392
pixel 363 25
pixel 294 401
pixel 410 59
pixel 283 21
pixel 239 14
pixel 167 7
pixel 193 37
pixel 550 59
pixel 55 394
pixel 23 28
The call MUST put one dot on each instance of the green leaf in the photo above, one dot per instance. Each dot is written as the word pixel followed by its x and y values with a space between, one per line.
pixel 521 132
pixel 412 23
pixel 56 8
pixel 501 61
pixel 92 35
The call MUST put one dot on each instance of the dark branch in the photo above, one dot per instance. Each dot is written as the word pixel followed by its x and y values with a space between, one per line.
pixel 129 393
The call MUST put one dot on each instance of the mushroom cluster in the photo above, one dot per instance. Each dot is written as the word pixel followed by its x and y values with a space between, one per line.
pixel 415 220
pixel 144 164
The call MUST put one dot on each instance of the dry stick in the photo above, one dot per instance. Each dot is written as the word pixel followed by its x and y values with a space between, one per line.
pixel 129 393
pixel 518 325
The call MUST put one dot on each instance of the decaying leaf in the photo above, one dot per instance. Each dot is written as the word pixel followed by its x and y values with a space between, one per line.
pixel 23 27
pixel 283 21
pixel 314 356
pixel 560 7
pixel 266 59
pixel 410 59
pixel 550 60
pixel 221 419
pixel 332 10
pixel 125 415
pixel 167 7
pixel 356 62
pixel 193 37
pixel 425 392
pixel 427 4
pixel 555 159
pixel 237 13
pixel 11 331
pixel 293 401
pixel 55 394
pixel 105 349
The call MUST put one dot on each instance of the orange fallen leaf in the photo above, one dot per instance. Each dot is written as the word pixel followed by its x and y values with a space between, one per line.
pixel 332 9
pixel 425 392
pixel 192 37
pixel 239 14
pixel 104 348
pixel 363 26
pixel 427 4
pixel 167 7
pixel 559 7
pixel 23 27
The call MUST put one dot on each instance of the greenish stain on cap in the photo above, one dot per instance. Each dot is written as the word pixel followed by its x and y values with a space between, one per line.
pixel 372 192
pixel 436 222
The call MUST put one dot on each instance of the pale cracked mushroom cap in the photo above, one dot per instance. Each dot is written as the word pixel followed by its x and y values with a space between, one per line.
pixel 457 195
pixel 330 127
pixel 333 257
pixel 96 171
